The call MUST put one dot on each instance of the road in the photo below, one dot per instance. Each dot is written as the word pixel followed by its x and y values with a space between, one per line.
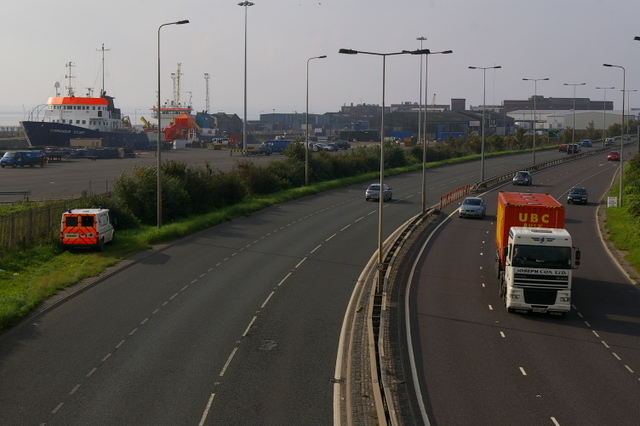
pixel 237 324
pixel 478 365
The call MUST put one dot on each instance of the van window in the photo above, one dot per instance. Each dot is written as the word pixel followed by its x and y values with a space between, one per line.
pixel 71 220
pixel 86 220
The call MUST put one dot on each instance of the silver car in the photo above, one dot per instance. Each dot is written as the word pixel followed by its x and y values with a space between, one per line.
pixel 472 207
pixel 373 192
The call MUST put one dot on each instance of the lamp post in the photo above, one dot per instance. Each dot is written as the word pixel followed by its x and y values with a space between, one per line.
pixel 624 82
pixel 421 39
pixel 306 142
pixel 533 124
pixel 159 147
pixel 573 135
pixel 245 4
pixel 381 193
pixel 484 84
pixel 604 114
pixel 426 53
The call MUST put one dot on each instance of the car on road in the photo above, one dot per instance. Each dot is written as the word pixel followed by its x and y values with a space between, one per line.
pixel 472 207
pixel 373 192
pixel 563 147
pixel 522 178
pixel 613 156
pixel 577 195
pixel 609 141
pixel 586 143
pixel 573 148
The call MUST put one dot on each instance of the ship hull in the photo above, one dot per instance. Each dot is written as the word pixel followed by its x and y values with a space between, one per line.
pixel 57 134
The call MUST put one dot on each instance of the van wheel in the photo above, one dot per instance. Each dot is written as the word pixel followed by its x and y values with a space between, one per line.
pixel 101 245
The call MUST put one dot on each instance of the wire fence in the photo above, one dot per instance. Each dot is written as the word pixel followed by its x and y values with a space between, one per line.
pixel 31 227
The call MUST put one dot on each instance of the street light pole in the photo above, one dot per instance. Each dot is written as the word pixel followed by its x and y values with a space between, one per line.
pixel 624 82
pixel 159 147
pixel 245 4
pixel 533 124
pixel 306 142
pixel 573 135
pixel 484 85
pixel 604 114
pixel 426 53
pixel 381 266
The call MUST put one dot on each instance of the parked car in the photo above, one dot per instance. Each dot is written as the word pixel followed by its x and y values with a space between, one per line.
pixel 577 195
pixel 563 147
pixel 333 146
pixel 342 144
pixel 472 207
pixel 373 192
pixel 523 178
pixel 586 143
pixel 609 141
pixel 573 148
pixel 613 156
pixel 313 146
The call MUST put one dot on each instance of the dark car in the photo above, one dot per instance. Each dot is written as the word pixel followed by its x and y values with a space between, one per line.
pixel 523 178
pixel 613 156
pixel 573 148
pixel 343 144
pixel 577 195
pixel 472 207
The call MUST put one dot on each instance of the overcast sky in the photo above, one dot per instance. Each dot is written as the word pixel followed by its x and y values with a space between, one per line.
pixel 564 40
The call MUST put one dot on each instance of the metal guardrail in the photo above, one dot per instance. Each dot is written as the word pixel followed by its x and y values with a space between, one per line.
pixel 24 192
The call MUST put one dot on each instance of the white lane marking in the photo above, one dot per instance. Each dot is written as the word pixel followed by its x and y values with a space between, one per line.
pixel 345 227
pixel 301 262
pixel 555 422
pixel 58 407
pixel 90 373
pixel 249 326
pixel 616 355
pixel 106 357
pixel 267 300
pixel 490 308
pixel 120 344
pixel 605 344
pixel 144 321
pixel 628 368
pixel 132 332
pixel 331 237
pixel 587 324
pixel 358 220
pixel 596 333
pixel 174 296
pixel 284 279
pixel 524 373
pixel 319 245
pixel 74 390
pixel 194 280
pixel 226 364
pixel 155 312
pixel 184 288
pixel 502 334
pixel 206 410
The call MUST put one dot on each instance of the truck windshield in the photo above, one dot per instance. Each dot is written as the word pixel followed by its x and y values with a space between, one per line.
pixel 542 256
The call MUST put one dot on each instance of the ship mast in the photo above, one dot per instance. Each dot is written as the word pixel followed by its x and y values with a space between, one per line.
pixel 70 76
pixel 102 92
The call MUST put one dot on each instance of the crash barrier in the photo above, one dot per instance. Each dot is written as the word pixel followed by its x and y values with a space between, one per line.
pixel 244 151
pixel 494 180
pixel 454 196
pixel 24 192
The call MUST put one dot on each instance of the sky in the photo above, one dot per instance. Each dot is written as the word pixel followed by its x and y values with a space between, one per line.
pixel 567 41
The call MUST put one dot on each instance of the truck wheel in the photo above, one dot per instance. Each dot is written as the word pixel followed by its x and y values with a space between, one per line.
pixel 502 291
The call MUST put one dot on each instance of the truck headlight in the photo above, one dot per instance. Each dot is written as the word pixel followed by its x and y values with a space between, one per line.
pixel 514 296
pixel 565 299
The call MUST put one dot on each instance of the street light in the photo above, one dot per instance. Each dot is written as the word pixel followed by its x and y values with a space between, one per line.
pixel 484 84
pixel 381 194
pixel 426 53
pixel 533 124
pixel 158 148
pixel 421 39
pixel 306 142
pixel 624 83
pixel 573 135
pixel 604 115
pixel 245 4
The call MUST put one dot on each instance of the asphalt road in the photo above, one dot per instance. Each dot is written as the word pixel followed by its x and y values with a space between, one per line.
pixel 238 324
pixel 478 365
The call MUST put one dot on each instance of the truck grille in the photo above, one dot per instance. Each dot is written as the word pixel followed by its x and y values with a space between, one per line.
pixel 540 281
pixel 537 296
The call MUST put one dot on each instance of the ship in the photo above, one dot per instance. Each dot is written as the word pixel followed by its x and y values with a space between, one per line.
pixel 83 117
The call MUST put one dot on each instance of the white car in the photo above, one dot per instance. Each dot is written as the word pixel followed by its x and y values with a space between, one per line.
pixel 472 207
pixel 373 192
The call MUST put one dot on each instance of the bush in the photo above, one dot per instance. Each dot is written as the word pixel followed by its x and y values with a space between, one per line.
pixel 258 180
pixel 121 215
